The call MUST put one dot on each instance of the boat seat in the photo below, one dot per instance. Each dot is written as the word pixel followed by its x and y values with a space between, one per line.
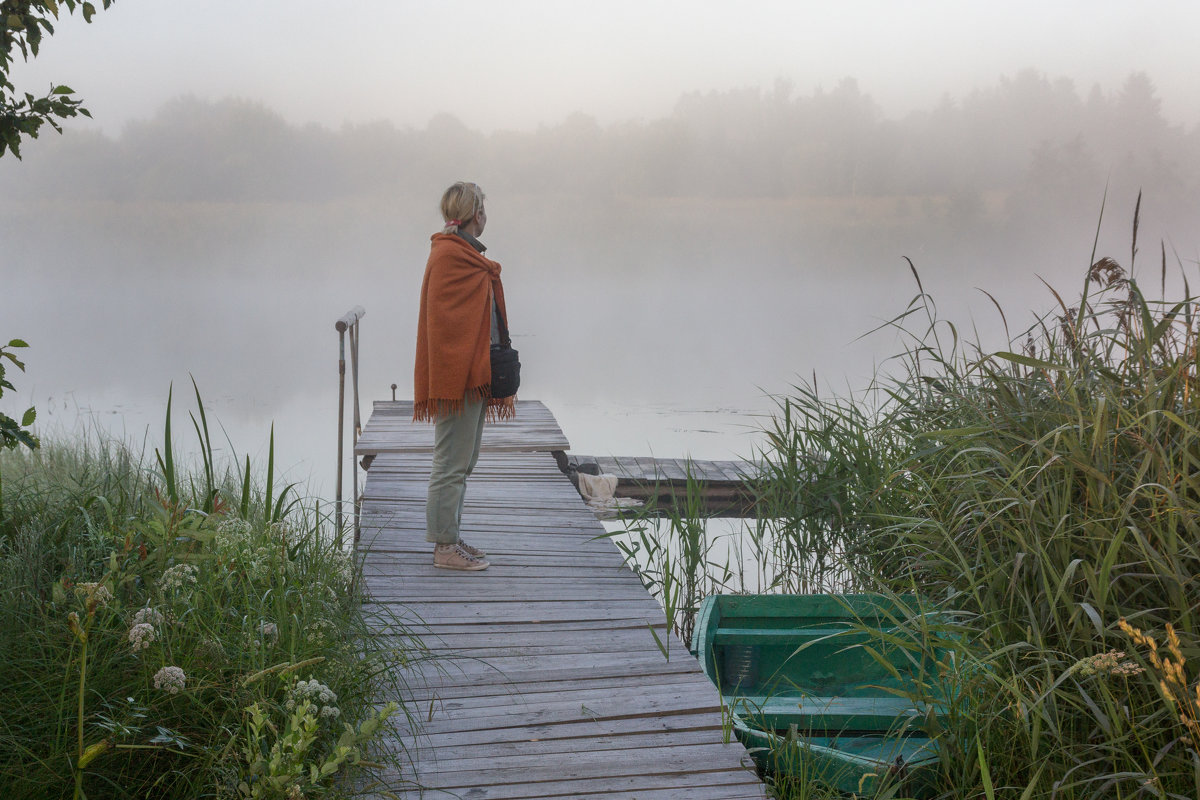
pixel 793 636
pixel 827 713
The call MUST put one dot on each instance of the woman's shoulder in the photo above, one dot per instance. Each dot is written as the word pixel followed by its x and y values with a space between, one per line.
pixel 440 238
pixel 447 245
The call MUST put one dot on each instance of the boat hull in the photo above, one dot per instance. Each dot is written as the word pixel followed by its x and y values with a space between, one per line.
pixel 805 695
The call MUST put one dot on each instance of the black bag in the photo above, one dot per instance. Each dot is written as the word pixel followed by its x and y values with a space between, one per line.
pixel 506 371
pixel 506 366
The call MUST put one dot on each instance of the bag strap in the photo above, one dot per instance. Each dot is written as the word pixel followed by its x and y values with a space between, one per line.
pixel 505 339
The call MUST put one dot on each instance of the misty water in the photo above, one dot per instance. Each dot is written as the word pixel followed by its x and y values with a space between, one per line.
pixel 659 300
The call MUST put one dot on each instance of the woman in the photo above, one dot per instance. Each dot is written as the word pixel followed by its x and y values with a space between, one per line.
pixel 462 314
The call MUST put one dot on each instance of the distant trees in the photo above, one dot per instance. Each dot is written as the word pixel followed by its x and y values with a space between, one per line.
pixel 23 25
pixel 1021 147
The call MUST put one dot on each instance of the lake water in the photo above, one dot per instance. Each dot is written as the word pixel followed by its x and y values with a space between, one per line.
pixel 647 329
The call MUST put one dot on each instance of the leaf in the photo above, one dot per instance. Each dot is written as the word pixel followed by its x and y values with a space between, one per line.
pixel 270 478
pixel 17 343
pixel 30 416
pixel 984 773
pixel 1090 610
pixel 89 11
pixel 1027 361
pixel 63 90
pixel 662 648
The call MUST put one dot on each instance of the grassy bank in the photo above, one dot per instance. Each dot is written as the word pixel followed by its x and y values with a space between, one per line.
pixel 1045 498
pixel 176 634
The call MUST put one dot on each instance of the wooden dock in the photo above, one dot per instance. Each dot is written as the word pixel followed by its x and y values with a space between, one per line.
pixel 722 486
pixel 549 683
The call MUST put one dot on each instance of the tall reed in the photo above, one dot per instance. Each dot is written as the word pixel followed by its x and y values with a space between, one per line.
pixel 1036 495
pixel 1050 493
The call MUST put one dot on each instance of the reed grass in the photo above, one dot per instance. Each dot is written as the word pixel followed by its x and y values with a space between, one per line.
pixel 166 634
pixel 1038 496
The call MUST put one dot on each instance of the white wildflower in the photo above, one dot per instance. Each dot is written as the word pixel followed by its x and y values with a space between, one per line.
pixel 1112 663
pixel 319 632
pixel 94 591
pixel 344 567
pixel 242 550
pixel 170 679
pixel 141 636
pixel 279 531
pixel 316 690
pixel 316 693
pixel 233 528
pixel 268 630
pixel 232 537
pixel 148 616
pixel 178 578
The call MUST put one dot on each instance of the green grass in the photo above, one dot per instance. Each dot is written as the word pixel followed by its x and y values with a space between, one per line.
pixel 1039 494
pixel 174 635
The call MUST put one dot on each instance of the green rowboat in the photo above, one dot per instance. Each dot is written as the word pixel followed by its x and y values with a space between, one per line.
pixel 806 698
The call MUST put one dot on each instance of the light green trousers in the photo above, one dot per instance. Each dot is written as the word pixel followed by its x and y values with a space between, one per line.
pixel 455 451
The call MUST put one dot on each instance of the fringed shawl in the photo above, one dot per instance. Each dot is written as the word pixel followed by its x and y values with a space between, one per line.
pixel 454 330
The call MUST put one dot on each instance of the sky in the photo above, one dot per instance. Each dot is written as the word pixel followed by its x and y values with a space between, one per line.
pixel 521 64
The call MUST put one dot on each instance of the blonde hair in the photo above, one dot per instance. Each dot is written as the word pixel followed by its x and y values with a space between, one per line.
pixel 460 203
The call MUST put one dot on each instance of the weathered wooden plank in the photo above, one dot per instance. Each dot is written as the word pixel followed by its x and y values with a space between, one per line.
pixel 570 732
pixel 652 683
pixel 649 786
pixel 611 466
pixel 446 611
pixel 570 705
pixel 532 588
pixel 547 561
pixel 601 746
pixel 390 430
pixel 671 470
pixel 449 678
pixel 645 469
pixel 515 671
pixel 582 764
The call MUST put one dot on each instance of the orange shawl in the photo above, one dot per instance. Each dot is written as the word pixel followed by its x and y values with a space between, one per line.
pixel 454 331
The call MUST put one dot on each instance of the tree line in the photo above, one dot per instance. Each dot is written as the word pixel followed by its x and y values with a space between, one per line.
pixel 1028 138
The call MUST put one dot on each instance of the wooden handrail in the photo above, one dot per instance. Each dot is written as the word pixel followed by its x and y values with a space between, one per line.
pixel 348 322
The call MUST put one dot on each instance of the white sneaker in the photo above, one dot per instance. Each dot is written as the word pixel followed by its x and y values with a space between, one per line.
pixel 475 551
pixel 455 556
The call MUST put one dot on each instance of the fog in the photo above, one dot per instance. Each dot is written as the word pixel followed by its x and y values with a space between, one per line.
pixel 664 275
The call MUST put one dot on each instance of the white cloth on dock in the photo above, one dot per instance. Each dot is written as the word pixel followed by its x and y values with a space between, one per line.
pixel 599 492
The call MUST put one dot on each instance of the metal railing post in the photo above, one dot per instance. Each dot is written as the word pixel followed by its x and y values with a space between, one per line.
pixel 337 503
pixel 357 420
pixel 348 321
